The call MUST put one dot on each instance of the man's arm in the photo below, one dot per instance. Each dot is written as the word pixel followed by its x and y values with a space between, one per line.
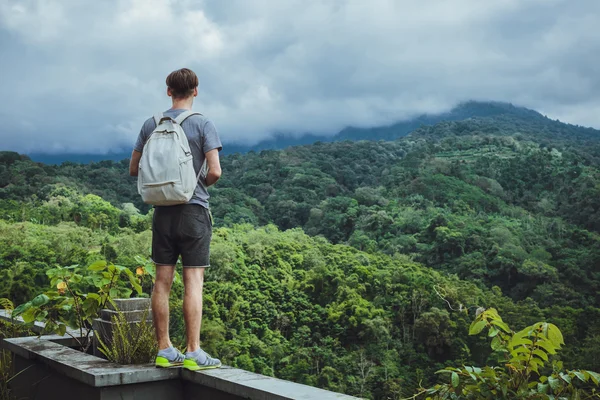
pixel 214 167
pixel 135 162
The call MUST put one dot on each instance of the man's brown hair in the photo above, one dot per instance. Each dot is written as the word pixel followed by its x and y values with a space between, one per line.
pixel 182 83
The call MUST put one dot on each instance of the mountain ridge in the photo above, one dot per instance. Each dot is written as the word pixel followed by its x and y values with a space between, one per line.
pixel 465 110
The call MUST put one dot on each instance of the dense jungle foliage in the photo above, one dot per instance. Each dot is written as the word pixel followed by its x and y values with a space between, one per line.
pixel 353 266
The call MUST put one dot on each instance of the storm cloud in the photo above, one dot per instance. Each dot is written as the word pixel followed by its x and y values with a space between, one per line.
pixel 82 76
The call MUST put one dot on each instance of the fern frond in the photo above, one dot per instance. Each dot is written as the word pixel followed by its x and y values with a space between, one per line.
pixel 6 304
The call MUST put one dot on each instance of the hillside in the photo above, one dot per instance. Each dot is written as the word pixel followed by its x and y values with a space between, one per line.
pixel 497 210
pixel 471 109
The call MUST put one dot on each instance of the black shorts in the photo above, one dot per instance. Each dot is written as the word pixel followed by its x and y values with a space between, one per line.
pixel 184 230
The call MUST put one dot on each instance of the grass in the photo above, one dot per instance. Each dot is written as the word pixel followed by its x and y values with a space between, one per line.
pixel 131 343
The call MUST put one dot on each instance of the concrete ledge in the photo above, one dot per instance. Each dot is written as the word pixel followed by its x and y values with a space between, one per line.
pixel 223 383
pixel 5 315
pixel 38 327
pixel 248 385
pixel 88 369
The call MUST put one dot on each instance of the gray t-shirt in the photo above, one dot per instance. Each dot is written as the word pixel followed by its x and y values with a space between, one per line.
pixel 202 136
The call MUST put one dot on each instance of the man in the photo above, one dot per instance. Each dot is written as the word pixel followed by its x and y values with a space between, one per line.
pixel 183 230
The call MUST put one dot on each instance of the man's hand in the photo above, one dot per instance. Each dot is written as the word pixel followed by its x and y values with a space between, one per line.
pixel 134 163
pixel 214 167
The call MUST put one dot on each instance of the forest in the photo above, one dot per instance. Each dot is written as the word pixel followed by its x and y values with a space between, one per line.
pixel 355 266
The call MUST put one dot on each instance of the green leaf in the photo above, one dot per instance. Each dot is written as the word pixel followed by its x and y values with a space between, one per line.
pixel 541 354
pixel 76 278
pixel 136 285
pixel 41 316
pixel 520 349
pixel 553 382
pixel 140 260
pixel 98 266
pixel 90 306
pixel 123 293
pixel 29 315
pixel 493 332
pixel 565 377
pixel 550 349
pixel 455 379
pixel 104 282
pixel 519 341
pixel 51 273
pixel 496 343
pixel 580 375
pixel 555 336
pixel 535 363
pixel 94 296
pixel 595 377
pixel 62 329
pixel 21 309
pixel 502 325
pixel 444 371
pixel 521 334
pixel 40 300
pixel 121 268
pixel 477 327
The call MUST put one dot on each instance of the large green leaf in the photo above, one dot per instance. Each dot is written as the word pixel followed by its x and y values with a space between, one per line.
pixel 94 296
pixel 580 375
pixel 555 336
pixel 29 315
pixel 477 327
pixel 502 325
pixel 565 377
pixel 98 266
pixel 455 379
pixel 114 293
pixel 496 343
pixel 21 309
pixel 136 285
pixel 90 306
pixel 124 293
pixel 546 345
pixel 40 300
pixel 594 376
pixel 517 342
pixel 541 354
pixel 41 316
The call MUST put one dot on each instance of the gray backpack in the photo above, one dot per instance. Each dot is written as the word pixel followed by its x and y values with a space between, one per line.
pixel 166 173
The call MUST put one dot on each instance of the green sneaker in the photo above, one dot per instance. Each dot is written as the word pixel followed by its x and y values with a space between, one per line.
pixel 164 360
pixel 193 363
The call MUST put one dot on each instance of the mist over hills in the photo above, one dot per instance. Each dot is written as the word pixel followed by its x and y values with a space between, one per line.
pixel 470 109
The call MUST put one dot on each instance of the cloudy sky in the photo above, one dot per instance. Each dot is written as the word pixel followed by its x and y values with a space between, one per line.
pixel 82 76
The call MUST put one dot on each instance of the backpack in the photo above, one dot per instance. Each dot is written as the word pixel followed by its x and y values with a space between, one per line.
pixel 166 173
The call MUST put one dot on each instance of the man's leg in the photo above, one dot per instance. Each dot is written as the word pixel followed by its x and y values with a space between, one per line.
pixel 193 281
pixel 160 304
pixel 195 256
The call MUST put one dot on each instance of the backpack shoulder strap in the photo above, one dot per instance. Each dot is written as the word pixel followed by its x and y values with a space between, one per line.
pixel 184 115
pixel 157 118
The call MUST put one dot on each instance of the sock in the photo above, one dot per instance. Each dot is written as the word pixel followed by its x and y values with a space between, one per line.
pixel 199 355
pixel 168 353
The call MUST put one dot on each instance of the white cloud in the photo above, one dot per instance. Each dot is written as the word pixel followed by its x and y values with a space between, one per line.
pixel 83 76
